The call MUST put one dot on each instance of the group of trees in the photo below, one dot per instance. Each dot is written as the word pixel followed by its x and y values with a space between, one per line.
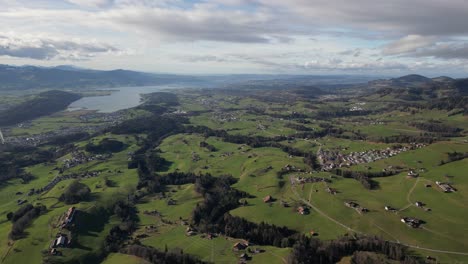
pixel 342 112
pixel 219 198
pixel 454 156
pixel 365 177
pixel 450 103
pixel 43 104
pixel 22 218
pixel 155 126
pixel 298 127
pixel 310 250
pixel 127 213
pixel 75 193
pixel 209 147
pixel 14 158
pixel 67 139
pixel 256 141
pixel 438 128
pixel 325 130
pixel 212 215
pixel 106 145
pixel 262 234
pixel 422 138
pixel 160 257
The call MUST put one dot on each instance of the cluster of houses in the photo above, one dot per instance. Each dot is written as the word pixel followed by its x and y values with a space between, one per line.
pixel 36 139
pixel 111 118
pixel 79 157
pixel 412 222
pixel 355 108
pixel 302 180
pixel 261 126
pixel 191 231
pixel 179 112
pixel 225 116
pixel 446 187
pixel 413 174
pixel 106 120
pixel 244 246
pixel 331 159
pixel 291 168
pixel 153 213
pixel 356 207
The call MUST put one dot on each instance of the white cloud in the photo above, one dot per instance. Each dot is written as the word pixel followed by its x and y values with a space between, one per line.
pixel 40 48
pixel 90 3
pixel 409 43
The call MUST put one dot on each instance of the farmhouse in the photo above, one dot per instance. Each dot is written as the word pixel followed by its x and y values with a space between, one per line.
pixel 331 190
pixel 362 210
pixel 190 231
pixel 446 187
pixel 419 204
pixel 244 257
pixel 412 173
pixel 61 241
pixel 303 210
pixel 352 204
pixel 389 208
pixel 268 199
pixel 69 216
pixel 239 246
pixel 411 222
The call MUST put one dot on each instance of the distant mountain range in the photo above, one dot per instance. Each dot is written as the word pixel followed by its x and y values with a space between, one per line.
pixel 418 87
pixel 70 77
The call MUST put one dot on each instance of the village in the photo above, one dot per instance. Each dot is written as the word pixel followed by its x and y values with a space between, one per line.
pixel 80 157
pixel 331 159
pixel 40 138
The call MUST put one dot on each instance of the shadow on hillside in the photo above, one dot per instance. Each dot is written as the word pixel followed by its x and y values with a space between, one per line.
pixel 89 224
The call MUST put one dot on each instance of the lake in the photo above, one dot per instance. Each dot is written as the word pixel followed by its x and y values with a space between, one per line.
pixel 121 98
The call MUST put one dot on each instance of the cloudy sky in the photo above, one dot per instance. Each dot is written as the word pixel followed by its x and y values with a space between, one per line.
pixel 368 37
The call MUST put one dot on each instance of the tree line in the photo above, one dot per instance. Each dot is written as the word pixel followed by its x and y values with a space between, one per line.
pixel 309 250
pixel 365 177
pixel 22 218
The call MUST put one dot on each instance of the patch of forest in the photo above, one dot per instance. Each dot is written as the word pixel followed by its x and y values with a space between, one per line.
pixel 43 104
